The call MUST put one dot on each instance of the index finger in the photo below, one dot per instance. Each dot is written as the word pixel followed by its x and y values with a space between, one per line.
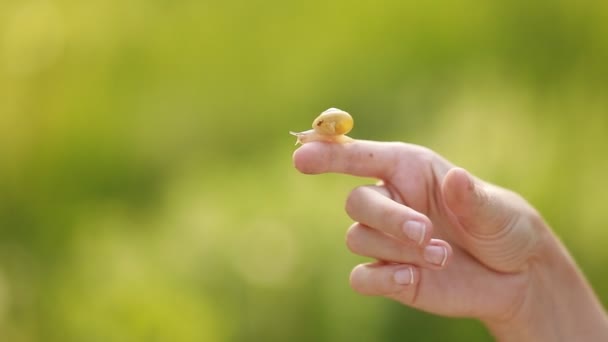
pixel 358 158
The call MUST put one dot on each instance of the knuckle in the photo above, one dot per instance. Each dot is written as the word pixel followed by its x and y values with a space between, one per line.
pixel 392 217
pixel 393 213
pixel 353 200
pixel 352 238
pixel 355 279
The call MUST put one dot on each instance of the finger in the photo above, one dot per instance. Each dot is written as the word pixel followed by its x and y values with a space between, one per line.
pixel 371 206
pixel 359 158
pixel 372 243
pixel 478 209
pixel 381 279
pixel 437 291
pixel 499 224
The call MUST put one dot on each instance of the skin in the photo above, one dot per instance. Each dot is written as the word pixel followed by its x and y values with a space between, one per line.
pixel 474 250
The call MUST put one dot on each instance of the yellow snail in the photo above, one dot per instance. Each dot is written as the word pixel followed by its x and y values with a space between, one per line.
pixel 330 126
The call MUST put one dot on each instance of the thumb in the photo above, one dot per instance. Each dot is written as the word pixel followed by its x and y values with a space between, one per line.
pixel 479 211
pixel 499 227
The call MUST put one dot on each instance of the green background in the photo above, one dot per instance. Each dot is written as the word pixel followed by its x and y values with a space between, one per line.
pixel 147 191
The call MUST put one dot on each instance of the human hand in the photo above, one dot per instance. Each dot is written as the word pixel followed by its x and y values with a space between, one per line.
pixel 450 244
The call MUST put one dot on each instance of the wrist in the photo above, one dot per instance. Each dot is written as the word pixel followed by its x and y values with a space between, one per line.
pixel 558 303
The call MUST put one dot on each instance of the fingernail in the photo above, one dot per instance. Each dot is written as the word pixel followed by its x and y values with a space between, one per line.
pixel 436 255
pixel 404 276
pixel 414 230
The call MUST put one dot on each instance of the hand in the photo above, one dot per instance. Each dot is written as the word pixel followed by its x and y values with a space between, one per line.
pixel 450 244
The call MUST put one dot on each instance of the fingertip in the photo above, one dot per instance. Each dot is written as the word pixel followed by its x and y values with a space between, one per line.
pixel 407 275
pixel 457 186
pixel 305 158
pixel 461 177
pixel 418 230
pixel 382 279
pixel 445 256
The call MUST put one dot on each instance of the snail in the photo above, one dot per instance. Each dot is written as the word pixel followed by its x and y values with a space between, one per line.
pixel 330 126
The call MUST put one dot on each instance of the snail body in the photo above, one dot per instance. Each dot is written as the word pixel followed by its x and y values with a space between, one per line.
pixel 329 126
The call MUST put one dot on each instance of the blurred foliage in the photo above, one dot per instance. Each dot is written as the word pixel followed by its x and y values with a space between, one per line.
pixel 146 185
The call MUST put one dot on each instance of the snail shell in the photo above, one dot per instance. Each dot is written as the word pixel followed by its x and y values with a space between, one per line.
pixel 330 126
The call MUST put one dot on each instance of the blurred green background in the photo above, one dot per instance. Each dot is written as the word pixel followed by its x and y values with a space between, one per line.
pixel 146 185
